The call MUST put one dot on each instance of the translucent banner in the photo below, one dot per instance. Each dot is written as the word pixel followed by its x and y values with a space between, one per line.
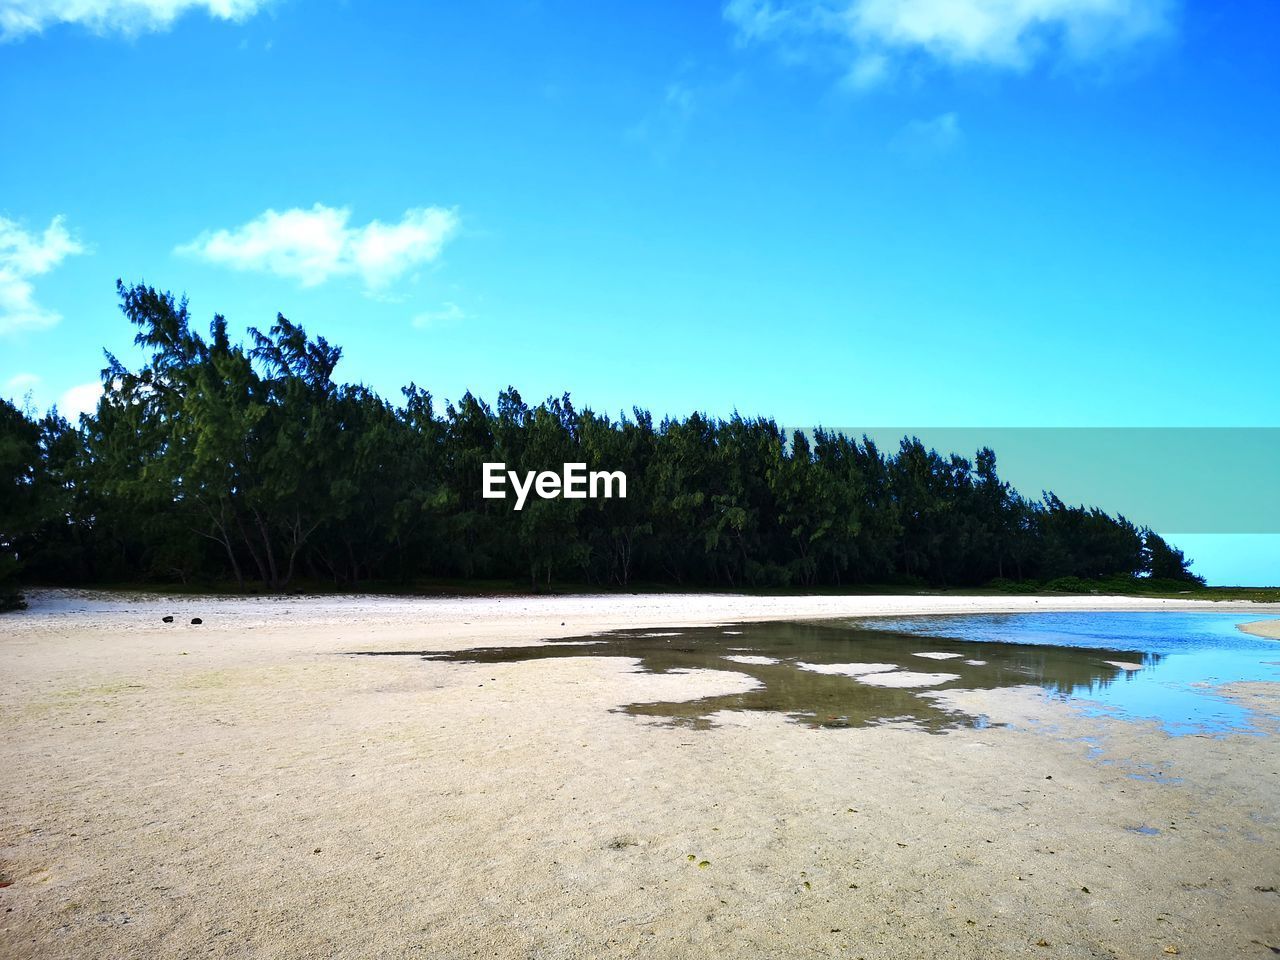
pixel 1171 479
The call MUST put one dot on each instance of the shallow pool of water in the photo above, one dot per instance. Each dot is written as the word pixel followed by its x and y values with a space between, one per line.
pixel 1142 666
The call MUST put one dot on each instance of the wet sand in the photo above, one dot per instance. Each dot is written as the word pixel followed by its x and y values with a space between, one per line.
pixel 240 789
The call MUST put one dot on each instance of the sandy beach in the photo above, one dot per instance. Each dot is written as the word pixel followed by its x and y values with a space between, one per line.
pixel 241 788
pixel 1263 628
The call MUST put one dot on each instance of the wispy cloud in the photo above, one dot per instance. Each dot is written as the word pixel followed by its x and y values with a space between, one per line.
pixel 924 140
pixel 448 314
pixel 24 256
pixel 871 38
pixel 663 129
pixel 21 383
pixel 316 245
pixel 19 18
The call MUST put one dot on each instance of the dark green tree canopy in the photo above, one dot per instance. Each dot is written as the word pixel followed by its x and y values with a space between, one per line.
pixel 213 460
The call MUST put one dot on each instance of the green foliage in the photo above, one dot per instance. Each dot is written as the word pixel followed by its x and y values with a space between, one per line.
pixel 215 461
pixel 1005 585
pixel 1117 584
pixel 26 502
pixel 1165 562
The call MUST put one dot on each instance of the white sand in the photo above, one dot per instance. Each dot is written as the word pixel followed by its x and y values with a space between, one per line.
pixel 907 678
pixel 752 660
pixel 1263 628
pixel 240 789
pixel 1124 665
pixel 935 655
pixel 847 669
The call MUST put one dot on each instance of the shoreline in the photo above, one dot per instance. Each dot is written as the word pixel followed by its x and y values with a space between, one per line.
pixel 535 614
pixel 243 788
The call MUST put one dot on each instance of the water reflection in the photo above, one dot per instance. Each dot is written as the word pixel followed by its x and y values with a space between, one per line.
pixel 851 673
pixel 1196 654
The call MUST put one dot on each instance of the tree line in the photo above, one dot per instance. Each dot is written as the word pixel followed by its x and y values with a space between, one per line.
pixel 248 462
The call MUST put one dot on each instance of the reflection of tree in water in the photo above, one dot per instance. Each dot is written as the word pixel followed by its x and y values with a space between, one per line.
pixel 825 699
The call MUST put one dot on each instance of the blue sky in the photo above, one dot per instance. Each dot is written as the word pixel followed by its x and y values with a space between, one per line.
pixel 970 212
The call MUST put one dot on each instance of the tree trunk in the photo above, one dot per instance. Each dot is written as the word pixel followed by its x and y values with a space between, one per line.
pixel 273 583
pixel 253 553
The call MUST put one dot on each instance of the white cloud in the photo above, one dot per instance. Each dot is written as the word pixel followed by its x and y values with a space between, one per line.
pixel 24 256
pixel 21 17
pixel 448 314
pixel 312 246
pixel 871 36
pixel 82 398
